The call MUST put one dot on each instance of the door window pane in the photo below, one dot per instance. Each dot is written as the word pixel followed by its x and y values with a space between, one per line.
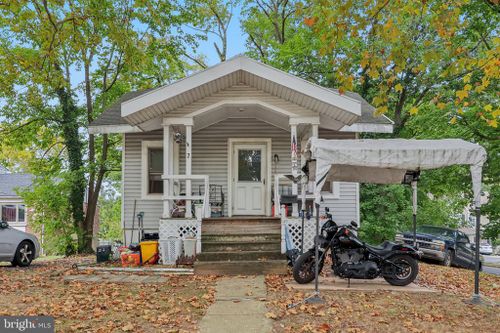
pixel 155 166
pixel 249 165
pixel 9 213
pixel 21 209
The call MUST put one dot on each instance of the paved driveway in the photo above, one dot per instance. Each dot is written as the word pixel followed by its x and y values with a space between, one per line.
pixel 494 261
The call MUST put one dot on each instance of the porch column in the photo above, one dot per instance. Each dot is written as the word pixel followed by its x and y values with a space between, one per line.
pixel 314 129
pixel 167 151
pixel 314 134
pixel 295 171
pixel 189 131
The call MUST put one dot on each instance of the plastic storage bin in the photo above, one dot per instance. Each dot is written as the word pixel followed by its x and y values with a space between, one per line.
pixel 103 253
pixel 190 246
pixel 149 252
pixel 170 250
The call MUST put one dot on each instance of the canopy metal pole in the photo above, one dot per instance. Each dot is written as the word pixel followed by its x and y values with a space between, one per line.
pixel 476 295
pixel 315 298
pixel 414 187
pixel 303 209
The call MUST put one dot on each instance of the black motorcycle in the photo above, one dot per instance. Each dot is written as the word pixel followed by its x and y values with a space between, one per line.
pixel 354 259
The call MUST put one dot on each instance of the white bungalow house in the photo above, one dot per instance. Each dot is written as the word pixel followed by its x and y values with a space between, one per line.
pixel 234 128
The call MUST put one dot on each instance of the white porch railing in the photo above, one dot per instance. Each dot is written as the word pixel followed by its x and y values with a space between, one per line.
pixel 189 197
pixel 294 227
pixel 277 195
pixel 180 228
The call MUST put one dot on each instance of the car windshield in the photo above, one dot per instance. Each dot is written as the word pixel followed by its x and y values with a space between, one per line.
pixel 436 231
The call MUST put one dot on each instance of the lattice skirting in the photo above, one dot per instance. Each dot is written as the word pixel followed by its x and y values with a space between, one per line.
pixel 294 226
pixel 181 228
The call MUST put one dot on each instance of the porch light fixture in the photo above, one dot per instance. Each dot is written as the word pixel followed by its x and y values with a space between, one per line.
pixel 178 137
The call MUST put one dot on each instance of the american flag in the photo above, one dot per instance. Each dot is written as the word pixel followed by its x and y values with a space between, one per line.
pixel 294 146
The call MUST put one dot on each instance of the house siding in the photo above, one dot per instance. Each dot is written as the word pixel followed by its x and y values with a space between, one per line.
pixel 209 157
pixel 241 92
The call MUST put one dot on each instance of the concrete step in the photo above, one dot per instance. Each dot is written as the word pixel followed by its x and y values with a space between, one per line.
pixel 238 245
pixel 246 237
pixel 240 267
pixel 240 255
pixel 240 228
pixel 242 219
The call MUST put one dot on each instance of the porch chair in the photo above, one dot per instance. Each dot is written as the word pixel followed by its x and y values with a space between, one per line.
pixel 215 199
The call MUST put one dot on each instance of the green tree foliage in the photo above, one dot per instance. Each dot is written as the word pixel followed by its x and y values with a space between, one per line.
pixel 110 217
pixel 387 209
pixel 50 214
pixel 431 66
pixel 62 63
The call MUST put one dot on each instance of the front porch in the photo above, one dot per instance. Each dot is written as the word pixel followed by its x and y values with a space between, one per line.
pixel 244 167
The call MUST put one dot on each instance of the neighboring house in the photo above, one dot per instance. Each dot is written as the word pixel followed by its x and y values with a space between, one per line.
pixel 469 219
pixel 12 208
pixel 239 124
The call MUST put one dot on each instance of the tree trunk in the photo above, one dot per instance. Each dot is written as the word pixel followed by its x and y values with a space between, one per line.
pixel 94 198
pixel 75 158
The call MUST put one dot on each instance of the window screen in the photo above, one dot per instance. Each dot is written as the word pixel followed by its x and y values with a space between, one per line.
pixel 155 170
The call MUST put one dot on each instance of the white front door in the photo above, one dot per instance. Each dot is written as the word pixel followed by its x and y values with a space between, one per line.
pixel 249 178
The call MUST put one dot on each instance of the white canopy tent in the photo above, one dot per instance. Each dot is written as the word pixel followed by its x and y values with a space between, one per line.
pixel 387 161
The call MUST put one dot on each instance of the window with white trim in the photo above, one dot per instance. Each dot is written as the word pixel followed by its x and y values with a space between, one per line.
pixel 152 168
pixel 331 190
pixel 155 170
pixel 12 212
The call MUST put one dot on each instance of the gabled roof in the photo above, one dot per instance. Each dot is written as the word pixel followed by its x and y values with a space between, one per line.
pixel 237 70
pixel 9 182
pixel 136 108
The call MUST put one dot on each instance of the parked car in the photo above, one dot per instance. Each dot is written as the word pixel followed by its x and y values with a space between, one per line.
pixel 486 249
pixel 449 246
pixel 18 247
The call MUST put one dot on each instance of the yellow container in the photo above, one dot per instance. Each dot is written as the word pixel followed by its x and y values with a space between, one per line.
pixel 149 252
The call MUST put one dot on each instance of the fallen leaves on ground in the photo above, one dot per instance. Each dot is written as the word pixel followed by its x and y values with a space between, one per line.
pixel 175 306
pixel 458 281
pixel 384 311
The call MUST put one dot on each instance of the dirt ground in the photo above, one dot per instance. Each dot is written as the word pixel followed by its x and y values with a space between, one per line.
pixel 174 306
pixel 178 304
pixel 343 311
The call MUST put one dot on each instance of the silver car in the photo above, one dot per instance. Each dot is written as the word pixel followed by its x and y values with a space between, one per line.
pixel 20 248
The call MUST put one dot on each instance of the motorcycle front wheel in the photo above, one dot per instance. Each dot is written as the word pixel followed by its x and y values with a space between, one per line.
pixel 405 275
pixel 304 267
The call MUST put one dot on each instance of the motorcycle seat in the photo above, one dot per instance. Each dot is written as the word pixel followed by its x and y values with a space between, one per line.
pixel 382 249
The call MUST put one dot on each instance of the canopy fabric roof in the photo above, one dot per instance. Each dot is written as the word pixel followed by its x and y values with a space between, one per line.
pixel 386 161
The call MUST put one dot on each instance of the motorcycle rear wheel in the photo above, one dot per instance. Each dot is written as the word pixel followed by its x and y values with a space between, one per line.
pixel 304 268
pixel 407 275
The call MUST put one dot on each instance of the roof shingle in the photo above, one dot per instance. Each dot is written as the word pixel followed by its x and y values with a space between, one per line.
pixel 9 182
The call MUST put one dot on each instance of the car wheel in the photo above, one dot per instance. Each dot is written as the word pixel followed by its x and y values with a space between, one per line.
pixel 24 254
pixel 448 258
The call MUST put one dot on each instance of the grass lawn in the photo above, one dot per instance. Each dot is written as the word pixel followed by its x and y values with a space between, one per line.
pixel 174 306
pixel 443 311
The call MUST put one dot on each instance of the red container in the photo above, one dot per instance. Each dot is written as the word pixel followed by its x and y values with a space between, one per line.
pixel 131 259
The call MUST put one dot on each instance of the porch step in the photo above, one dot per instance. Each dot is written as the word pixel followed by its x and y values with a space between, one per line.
pixel 240 255
pixel 240 228
pixel 240 267
pixel 239 245
pixel 235 237
pixel 242 219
